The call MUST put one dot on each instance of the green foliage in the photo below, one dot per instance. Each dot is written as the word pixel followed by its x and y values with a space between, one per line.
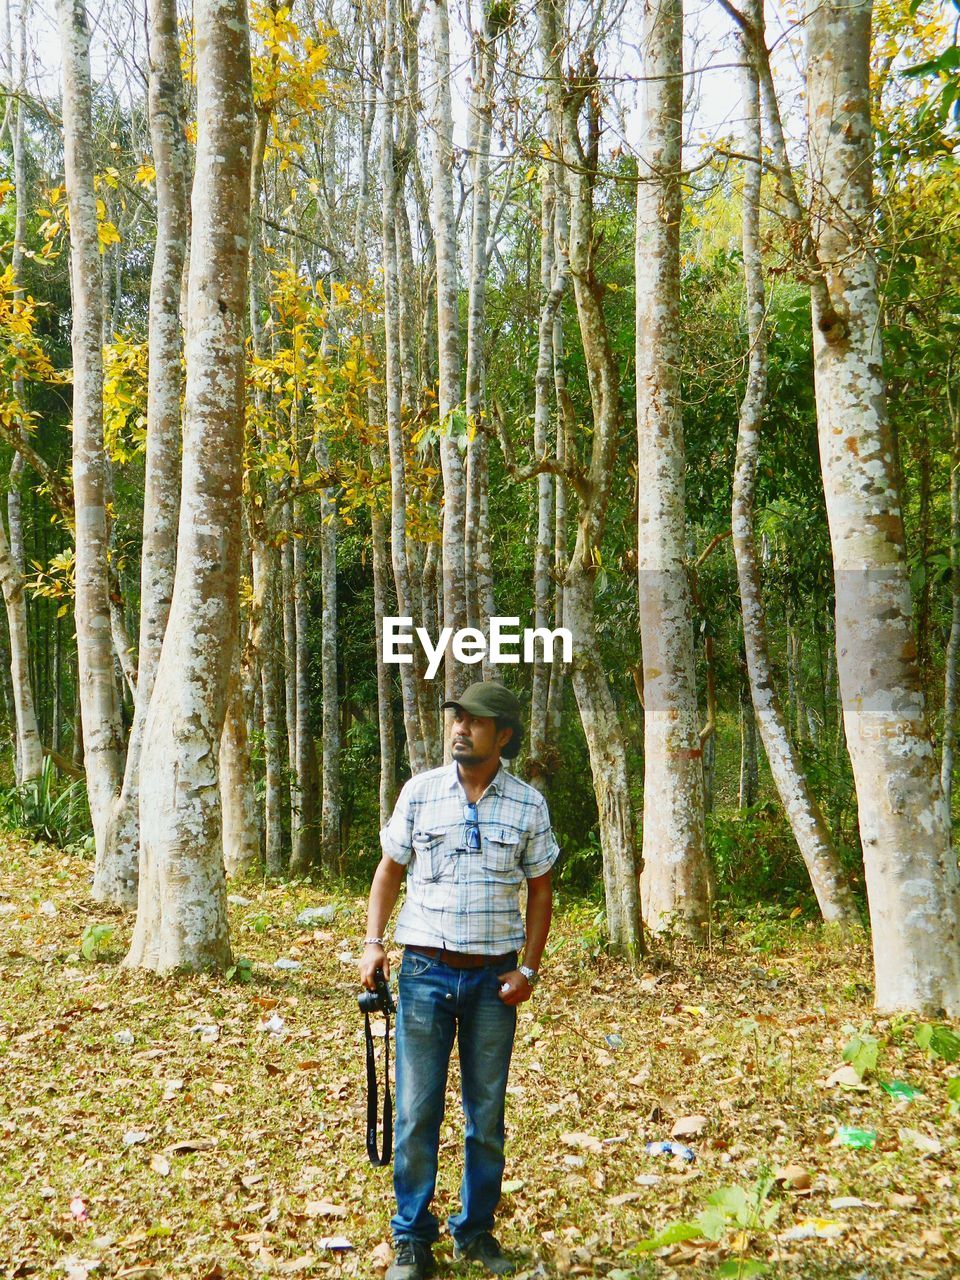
pixel 240 971
pixel 93 938
pixel 728 1208
pixel 753 848
pixel 59 817
pixel 862 1051
pixel 938 1041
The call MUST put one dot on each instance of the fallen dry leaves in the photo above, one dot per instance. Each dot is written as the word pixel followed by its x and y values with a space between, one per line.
pixel 249 1145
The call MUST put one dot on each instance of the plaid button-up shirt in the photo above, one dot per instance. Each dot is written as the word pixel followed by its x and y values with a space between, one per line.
pixel 458 899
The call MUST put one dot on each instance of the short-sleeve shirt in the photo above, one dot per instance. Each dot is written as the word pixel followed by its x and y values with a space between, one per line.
pixel 456 898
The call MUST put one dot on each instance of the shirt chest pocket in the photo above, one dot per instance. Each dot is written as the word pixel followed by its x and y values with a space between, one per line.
pixel 429 847
pixel 502 851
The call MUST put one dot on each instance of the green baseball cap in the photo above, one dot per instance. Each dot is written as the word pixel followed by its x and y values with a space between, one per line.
pixel 490 698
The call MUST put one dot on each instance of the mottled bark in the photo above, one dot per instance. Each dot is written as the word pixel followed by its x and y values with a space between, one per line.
pixel 952 654
pixel 182 916
pixel 675 882
pixel 749 763
pixel 330 786
pixel 305 849
pixel 238 799
pixel 29 749
pixel 443 218
pixel 395 381
pixel 161 498
pixel 288 611
pixel 598 712
pixel 264 634
pixel 807 822
pixel 28 754
pixel 99 702
pixel 481 113
pixel 913 886
pixel 537 764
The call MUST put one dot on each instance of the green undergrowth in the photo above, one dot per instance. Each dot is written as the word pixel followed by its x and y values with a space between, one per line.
pixel 149 1126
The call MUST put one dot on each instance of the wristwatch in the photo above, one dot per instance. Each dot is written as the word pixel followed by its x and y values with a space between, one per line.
pixel 531 975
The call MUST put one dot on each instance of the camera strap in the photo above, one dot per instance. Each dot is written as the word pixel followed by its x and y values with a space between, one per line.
pixel 376 1159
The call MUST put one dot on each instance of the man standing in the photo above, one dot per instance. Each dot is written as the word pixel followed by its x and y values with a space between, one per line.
pixel 465 836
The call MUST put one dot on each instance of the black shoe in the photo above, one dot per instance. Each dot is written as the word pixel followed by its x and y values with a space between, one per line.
pixel 412 1260
pixel 485 1250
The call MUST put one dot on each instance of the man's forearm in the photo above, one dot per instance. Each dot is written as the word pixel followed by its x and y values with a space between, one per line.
pixel 384 892
pixel 539 912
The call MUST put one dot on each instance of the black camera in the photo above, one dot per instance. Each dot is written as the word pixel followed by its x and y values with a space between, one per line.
pixel 378 1001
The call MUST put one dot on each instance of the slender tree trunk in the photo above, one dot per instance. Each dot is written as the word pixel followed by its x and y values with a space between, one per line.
pixel 675 882
pixel 161 500
pixel 28 750
pixel 481 110
pixel 238 799
pixel 598 713
pixel 807 822
pixel 100 706
pixel 306 850
pixel 551 292
pixel 56 730
pixel 443 215
pixel 913 885
pixel 288 613
pixel 182 920
pixel 394 392
pixel 380 533
pixel 330 798
pixel 566 433
pixel 953 642
pixel 749 770
pixel 265 564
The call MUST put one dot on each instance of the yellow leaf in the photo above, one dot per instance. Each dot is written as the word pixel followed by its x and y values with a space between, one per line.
pixel 107 234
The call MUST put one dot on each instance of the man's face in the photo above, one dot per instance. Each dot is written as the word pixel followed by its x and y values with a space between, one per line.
pixel 476 739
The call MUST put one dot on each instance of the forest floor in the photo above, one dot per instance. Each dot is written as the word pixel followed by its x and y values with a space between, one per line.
pixel 152 1127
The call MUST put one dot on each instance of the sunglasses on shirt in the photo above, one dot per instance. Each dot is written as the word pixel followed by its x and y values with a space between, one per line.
pixel 471 829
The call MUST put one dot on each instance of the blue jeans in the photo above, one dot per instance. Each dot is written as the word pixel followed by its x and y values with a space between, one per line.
pixel 437 1003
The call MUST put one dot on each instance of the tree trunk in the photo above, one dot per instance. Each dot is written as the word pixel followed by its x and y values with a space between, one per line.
pixel 238 799
pixel 749 771
pixel 182 919
pixel 952 654
pixel 481 111
pixel 552 285
pixel 306 849
pixel 265 564
pixel 28 750
pixel 381 578
pixel 913 886
pixel 288 614
pixel 161 499
pixel 99 703
pixel 675 883
pixel 443 216
pixel 807 822
pixel 598 712
pixel 330 796
pixel 395 391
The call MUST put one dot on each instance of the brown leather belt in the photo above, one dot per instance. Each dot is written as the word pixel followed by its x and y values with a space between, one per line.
pixel 461 959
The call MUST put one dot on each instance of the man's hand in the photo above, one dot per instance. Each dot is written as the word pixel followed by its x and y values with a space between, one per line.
pixel 514 988
pixel 374 957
